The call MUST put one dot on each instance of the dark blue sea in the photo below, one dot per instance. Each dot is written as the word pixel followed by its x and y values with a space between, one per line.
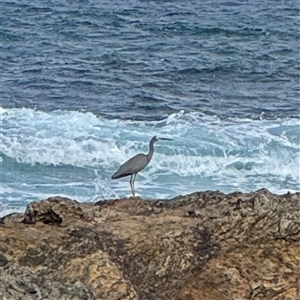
pixel 86 84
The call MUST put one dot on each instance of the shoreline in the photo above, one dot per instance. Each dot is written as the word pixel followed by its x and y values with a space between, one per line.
pixel 21 210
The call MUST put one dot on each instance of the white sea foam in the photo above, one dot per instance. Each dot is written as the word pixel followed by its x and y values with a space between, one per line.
pixel 74 153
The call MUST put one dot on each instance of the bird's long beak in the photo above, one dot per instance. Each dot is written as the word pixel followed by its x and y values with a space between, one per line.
pixel 165 139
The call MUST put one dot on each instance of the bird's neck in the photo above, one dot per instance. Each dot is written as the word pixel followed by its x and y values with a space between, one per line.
pixel 151 150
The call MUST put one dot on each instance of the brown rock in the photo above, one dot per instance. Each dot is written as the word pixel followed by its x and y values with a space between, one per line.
pixel 206 246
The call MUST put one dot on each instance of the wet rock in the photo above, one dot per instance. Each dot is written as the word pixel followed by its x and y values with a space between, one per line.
pixel 205 245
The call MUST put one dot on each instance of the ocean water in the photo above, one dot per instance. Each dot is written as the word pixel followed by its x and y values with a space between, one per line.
pixel 86 84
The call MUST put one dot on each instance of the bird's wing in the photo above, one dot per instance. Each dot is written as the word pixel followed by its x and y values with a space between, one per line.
pixel 131 166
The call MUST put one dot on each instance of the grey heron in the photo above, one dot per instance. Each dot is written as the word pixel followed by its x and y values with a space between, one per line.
pixel 136 163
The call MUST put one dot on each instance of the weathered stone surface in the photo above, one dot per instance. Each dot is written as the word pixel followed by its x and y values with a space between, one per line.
pixel 207 246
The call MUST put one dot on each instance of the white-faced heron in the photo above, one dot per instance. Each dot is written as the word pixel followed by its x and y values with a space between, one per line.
pixel 136 164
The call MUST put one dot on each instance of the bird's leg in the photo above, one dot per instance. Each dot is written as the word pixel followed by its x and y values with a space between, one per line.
pixel 132 184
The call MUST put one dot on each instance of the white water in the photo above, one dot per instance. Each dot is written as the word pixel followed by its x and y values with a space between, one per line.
pixel 73 154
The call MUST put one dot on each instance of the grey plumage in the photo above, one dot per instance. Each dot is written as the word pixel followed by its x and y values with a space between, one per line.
pixel 136 164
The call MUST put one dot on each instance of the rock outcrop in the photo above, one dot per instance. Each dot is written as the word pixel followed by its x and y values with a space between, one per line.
pixel 207 246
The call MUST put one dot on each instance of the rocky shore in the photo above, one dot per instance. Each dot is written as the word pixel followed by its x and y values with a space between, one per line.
pixel 206 246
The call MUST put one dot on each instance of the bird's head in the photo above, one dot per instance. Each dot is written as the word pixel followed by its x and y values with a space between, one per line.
pixel 156 138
